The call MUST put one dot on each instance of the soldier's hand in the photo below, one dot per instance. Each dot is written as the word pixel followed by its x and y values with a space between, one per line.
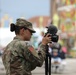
pixel 46 39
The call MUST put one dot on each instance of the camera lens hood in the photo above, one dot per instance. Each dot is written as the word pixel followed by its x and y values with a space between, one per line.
pixel 52 29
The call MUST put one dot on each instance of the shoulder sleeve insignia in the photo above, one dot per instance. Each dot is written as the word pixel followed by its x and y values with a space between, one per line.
pixel 33 51
pixel 31 48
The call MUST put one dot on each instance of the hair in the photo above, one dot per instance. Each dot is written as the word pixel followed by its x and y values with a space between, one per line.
pixel 16 28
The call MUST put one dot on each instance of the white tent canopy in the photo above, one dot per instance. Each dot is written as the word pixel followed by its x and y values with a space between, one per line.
pixel 5 36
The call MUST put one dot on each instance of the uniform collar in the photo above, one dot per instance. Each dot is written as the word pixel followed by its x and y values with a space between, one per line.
pixel 17 37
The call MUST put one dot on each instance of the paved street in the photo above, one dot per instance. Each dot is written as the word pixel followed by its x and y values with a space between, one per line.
pixel 69 70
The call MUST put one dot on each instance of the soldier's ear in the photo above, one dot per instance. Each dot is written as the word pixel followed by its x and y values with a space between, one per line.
pixel 22 31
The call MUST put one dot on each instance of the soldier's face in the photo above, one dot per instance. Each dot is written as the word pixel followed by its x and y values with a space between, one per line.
pixel 27 35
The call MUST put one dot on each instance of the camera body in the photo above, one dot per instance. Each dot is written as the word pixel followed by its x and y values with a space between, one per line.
pixel 53 30
pixel 54 38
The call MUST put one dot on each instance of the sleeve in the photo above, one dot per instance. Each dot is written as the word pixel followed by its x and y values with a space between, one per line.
pixel 32 56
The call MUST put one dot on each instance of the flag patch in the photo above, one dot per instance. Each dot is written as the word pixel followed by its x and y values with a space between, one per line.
pixel 31 48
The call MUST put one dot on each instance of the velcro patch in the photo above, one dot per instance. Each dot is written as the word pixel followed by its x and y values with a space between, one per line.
pixel 33 51
pixel 31 48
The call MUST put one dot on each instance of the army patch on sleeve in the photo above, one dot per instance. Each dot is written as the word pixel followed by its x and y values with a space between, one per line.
pixel 33 51
pixel 31 48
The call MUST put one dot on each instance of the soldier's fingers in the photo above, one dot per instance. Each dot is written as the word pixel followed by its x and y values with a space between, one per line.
pixel 48 35
pixel 49 39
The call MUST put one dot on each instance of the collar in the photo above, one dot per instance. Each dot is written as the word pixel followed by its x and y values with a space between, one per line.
pixel 17 38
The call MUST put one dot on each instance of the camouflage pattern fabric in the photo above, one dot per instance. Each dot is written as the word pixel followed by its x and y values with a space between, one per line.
pixel 25 23
pixel 20 57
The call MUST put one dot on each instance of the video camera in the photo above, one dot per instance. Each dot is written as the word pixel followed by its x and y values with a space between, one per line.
pixel 53 30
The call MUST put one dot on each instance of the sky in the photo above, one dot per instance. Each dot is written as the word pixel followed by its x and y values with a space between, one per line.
pixel 26 8
pixel 20 8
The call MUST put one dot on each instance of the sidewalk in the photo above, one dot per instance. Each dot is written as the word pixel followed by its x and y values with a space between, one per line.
pixel 69 70
pixel 39 71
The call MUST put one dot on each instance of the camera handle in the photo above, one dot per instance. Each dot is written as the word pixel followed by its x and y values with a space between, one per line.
pixel 47 62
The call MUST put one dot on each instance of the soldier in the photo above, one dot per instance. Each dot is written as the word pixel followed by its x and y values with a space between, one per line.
pixel 20 57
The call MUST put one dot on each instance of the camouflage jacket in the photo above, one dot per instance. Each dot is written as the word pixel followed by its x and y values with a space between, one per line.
pixel 20 57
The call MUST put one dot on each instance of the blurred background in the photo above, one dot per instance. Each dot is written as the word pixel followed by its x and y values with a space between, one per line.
pixel 62 13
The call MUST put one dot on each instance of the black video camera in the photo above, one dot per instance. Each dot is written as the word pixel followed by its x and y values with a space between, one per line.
pixel 53 30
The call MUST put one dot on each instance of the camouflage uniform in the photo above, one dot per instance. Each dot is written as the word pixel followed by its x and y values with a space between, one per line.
pixel 20 57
